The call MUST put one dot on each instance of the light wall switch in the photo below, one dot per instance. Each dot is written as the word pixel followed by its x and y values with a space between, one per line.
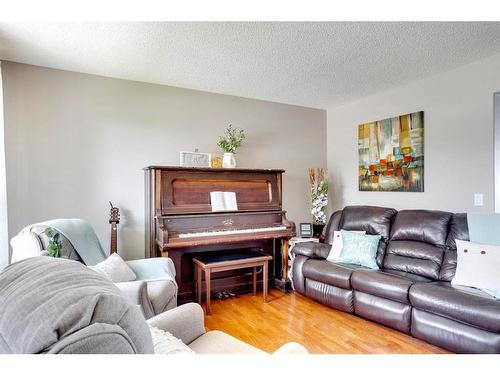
pixel 478 199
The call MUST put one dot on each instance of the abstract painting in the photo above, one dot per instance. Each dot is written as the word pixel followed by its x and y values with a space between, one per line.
pixel 391 154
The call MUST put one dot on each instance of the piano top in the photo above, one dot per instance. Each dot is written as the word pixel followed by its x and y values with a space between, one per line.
pixel 186 190
pixel 192 169
pixel 183 211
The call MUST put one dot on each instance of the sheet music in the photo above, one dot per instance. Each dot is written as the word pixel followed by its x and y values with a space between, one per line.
pixel 223 201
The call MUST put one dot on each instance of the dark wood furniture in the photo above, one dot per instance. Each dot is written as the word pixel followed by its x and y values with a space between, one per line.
pixel 180 223
pixel 219 263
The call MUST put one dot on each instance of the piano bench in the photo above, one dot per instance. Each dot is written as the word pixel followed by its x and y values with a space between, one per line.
pixel 226 262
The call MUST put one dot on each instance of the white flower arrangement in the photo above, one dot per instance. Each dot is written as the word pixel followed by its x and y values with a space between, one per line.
pixel 319 194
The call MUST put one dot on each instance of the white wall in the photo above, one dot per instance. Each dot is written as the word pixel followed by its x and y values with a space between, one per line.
pixel 458 125
pixel 75 141
pixel 4 237
pixel 497 152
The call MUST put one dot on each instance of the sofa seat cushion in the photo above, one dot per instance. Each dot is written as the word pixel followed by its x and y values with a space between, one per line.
pixel 414 257
pixel 336 274
pixel 463 304
pixel 411 276
pixel 382 284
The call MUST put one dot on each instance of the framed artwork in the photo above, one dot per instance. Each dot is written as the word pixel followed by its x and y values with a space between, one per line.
pixel 391 154
pixel 306 230
pixel 194 159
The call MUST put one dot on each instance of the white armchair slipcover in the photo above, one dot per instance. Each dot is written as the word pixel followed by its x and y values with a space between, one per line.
pixel 154 289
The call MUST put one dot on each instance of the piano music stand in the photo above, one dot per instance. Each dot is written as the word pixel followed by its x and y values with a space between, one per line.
pixel 225 262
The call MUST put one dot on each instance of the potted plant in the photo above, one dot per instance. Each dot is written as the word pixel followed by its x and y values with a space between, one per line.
pixel 228 143
pixel 319 199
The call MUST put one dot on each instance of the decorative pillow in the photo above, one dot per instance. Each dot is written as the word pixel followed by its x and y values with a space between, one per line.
pixel 359 248
pixel 334 254
pixel 166 343
pixel 115 269
pixel 477 267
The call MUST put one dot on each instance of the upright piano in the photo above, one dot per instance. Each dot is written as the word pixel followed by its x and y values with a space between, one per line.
pixel 180 222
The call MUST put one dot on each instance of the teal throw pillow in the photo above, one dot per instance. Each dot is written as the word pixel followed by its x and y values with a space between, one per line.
pixel 359 248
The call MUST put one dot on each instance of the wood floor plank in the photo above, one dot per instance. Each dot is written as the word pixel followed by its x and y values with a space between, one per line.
pixel 322 330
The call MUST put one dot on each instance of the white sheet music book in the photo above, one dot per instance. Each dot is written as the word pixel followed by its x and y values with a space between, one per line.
pixel 223 201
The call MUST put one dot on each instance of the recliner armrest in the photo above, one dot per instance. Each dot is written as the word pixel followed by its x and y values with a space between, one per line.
pixel 312 249
pixel 186 322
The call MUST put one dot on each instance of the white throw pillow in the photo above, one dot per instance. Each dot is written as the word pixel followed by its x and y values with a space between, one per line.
pixel 115 269
pixel 337 245
pixel 478 266
pixel 166 343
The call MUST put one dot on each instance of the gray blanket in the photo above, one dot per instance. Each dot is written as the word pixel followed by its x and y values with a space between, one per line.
pixel 52 305
pixel 81 235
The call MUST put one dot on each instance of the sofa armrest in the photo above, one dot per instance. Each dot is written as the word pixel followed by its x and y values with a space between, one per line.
pixel 312 249
pixel 136 292
pixel 186 322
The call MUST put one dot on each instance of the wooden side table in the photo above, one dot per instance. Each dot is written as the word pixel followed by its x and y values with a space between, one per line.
pixel 225 262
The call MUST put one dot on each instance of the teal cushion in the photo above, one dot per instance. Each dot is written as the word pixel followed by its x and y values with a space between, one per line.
pixel 359 248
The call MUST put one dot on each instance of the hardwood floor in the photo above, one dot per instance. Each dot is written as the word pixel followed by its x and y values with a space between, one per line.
pixel 292 317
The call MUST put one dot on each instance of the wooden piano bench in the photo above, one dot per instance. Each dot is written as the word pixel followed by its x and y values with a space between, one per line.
pixel 225 262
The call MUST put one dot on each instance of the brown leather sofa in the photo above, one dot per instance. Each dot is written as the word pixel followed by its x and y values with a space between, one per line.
pixel 411 292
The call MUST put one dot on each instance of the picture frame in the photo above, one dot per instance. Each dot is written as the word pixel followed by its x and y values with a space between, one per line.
pixel 195 159
pixel 306 230
pixel 391 154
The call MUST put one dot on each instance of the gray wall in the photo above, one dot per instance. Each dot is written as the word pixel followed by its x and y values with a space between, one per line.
pixel 75 141
pixel 458 117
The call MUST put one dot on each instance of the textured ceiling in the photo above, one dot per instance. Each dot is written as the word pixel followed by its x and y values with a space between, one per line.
pixel 315 64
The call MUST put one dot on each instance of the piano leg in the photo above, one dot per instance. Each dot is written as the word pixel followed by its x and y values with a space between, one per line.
pixel 283 283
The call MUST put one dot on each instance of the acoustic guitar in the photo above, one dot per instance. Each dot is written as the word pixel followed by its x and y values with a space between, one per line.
pixel 114 219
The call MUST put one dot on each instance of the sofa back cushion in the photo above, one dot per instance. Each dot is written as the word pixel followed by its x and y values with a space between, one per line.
pixel 332 226
pixel 51 305
pixel 417 242
pixel 421 225
pixel 458 231
pixel 372 220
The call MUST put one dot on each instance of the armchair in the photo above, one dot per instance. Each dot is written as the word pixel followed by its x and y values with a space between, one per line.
pixel 154 289
pixel 57 306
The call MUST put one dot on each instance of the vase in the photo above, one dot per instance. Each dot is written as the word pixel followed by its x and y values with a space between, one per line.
pixel 228 160
pixel 318 230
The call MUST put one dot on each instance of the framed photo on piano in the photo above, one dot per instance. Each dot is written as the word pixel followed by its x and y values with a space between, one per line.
pixel 195 159
pixel 306 230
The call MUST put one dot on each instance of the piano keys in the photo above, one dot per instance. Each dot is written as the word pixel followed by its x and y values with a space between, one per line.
pixel 232 231
pixel 180 223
